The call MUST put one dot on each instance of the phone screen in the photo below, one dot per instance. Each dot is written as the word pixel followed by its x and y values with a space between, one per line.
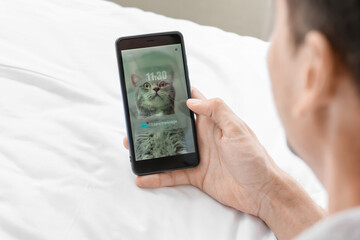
pixel 157 92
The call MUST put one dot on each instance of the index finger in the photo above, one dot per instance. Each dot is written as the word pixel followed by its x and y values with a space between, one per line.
pixel 165 179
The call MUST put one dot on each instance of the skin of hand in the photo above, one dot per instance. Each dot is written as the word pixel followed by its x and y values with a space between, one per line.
pixel 234 168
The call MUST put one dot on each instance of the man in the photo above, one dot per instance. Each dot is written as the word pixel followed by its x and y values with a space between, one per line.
pixel 314 62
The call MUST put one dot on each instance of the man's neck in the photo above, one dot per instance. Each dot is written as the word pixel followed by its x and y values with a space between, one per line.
pixel 343 185
pixel 342 165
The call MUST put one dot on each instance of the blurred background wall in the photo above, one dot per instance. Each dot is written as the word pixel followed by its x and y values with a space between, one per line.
pixel 245 17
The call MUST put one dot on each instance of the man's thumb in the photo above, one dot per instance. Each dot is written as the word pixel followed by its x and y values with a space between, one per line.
pixel 215 109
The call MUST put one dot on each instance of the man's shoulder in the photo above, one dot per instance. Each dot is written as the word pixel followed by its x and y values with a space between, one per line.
pixel 343 225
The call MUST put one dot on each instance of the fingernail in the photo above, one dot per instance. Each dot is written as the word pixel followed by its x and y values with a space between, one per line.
pixel 194 101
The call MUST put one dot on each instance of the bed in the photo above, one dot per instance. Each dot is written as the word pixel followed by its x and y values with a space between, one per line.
pixel 64 173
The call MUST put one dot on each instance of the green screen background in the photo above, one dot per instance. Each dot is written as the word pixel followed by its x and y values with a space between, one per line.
pixel 133 60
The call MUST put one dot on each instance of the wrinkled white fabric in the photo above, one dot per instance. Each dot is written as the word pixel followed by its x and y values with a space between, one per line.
pixel 343 225
pixel 64 173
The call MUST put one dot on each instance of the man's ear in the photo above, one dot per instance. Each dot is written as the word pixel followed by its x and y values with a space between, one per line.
pixel 134 79
pixel 318 74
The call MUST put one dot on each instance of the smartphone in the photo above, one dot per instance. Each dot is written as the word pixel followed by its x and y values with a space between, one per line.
pixel 155 86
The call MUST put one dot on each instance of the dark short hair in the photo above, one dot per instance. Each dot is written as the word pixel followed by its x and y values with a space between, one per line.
pixel 338 20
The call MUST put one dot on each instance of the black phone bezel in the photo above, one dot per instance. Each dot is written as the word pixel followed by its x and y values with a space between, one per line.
pixel 170 163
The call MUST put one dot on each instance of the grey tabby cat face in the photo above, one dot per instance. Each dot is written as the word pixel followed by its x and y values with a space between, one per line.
pixel 154 97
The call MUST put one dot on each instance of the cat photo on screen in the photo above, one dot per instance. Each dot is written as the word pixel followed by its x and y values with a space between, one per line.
pixel 153 77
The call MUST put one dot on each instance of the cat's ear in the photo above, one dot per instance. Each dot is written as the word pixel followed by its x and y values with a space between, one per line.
pixel 134 79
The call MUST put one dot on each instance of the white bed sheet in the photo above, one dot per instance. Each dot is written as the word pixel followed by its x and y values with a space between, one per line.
pixel 64 173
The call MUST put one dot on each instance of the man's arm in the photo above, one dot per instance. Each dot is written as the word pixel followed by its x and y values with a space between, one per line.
pixel 287 208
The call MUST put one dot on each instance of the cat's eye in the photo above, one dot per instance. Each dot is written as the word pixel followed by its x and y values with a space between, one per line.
pixel 147 85
pixel 163 84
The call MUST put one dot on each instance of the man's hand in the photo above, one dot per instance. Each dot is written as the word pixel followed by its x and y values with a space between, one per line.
pixel 234 167
pixel 236 170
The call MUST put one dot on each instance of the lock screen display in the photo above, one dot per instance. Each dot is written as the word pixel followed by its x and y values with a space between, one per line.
pixel 157 93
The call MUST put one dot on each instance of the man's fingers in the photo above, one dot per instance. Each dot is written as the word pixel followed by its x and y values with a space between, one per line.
pixel 215 109
pixel 126 143
pixel 163 179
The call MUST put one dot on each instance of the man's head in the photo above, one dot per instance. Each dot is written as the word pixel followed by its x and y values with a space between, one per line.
pixel 314 63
